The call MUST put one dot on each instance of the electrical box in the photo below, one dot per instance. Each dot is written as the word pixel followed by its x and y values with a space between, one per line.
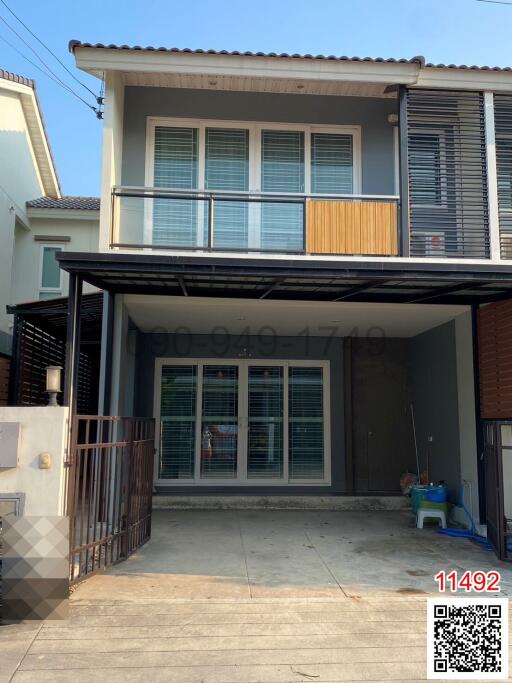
pixel 10 435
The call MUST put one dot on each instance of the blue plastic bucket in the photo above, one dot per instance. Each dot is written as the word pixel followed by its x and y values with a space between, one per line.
pixel 418 493
pixel 437 494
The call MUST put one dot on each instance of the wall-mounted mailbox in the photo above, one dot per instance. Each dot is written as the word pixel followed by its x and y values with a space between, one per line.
pixel 10 434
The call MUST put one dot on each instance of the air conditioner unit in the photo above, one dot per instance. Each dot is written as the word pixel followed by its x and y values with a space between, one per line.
pixel 429 244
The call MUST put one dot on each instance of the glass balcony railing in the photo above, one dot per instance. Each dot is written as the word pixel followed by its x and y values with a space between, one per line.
pixel 197 220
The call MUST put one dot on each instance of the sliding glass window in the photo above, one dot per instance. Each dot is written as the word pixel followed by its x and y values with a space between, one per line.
pixel 176 167
pixel 332 164
pixel 227 169
pixel 282 171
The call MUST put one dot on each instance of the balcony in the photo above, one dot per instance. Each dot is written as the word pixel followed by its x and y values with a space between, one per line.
pixel 250 222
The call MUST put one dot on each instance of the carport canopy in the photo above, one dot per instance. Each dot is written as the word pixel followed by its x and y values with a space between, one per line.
pixel 293 279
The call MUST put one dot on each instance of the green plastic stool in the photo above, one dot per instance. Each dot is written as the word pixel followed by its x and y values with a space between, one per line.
pixel 429 505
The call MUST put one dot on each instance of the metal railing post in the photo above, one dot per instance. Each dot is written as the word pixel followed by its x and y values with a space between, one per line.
pixel 210 221
pixel 305 225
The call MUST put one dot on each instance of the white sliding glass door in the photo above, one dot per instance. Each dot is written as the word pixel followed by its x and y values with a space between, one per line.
pixel 282 171
pixel 242 422
pixel 265 422
pixel 227 169
pixel 282 160
pixel 176 165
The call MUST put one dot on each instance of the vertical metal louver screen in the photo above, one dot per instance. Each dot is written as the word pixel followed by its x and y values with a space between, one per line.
pixel 448 204
pixel 503 130
pixel 176 167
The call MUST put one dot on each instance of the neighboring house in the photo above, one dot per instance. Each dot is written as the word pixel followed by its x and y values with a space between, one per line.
pixel 295 251
pixel 36 220
pixel 64 223
pixel 27 170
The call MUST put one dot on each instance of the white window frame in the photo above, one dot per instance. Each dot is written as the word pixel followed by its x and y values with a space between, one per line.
pixel 49 290
pixel 243 365
pixel 255 129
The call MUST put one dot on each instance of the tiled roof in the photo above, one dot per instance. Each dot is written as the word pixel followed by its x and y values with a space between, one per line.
pixel 69 202
pixel 414 60
pixel 16 78
pixel 235 53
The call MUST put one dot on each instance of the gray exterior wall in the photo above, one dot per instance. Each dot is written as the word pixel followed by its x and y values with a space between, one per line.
pixel 432 382
pixel 435 399
pixel 369 113
pixel 152 346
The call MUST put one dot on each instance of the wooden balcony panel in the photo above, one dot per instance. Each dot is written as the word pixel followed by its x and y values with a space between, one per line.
pixel 352 227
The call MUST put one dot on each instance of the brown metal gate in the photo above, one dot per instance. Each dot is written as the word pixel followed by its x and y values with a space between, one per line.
pixel 109 490
pixel 497 454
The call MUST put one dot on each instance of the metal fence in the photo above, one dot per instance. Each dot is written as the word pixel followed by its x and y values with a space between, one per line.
pixel 109 490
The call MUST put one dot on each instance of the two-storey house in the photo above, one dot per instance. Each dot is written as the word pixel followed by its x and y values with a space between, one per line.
pixel 294 250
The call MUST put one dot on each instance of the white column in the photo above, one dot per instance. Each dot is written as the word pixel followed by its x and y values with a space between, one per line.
pixel 492 177
pixel 112 152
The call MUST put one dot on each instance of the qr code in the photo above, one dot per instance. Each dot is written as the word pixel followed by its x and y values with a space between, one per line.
pixel 467 638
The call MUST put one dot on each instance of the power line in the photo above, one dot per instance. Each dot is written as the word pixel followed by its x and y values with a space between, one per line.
pixel 48 75
pixel 48 49
pixel 492 2
pixel 33 51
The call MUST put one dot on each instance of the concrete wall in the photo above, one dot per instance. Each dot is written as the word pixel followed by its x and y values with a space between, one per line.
pixel 82 234
pixel 152 346
pixel 42 430
pixel 369 113
pixel 435 397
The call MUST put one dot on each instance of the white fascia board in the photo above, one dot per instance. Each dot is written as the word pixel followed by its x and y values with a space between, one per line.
pixel 97 61
pixel 45 166
pixel 19 88
pixel 41 146
pixel 64 214
pixel 465 79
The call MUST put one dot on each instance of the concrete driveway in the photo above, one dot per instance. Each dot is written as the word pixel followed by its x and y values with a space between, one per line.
pixel 250 596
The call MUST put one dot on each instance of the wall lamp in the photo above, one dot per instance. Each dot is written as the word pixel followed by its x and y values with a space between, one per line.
pixel 53 379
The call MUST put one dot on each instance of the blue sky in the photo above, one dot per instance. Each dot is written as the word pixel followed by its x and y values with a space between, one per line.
pixel 450 31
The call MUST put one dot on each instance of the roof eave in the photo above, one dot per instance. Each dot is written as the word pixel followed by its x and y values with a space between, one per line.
pixel 26 90
pixel 63 214
pixel 97 61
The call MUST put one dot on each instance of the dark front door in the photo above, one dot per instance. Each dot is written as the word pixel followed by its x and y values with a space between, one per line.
pixel 382 436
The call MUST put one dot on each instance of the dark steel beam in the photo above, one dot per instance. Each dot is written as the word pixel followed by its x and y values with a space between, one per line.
pixel 357 289
pixel 482 505
pixel 443 291
pixel 182 284
pixel 72 344
pixel 278 281
pixel 14 368
pixel 107 339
